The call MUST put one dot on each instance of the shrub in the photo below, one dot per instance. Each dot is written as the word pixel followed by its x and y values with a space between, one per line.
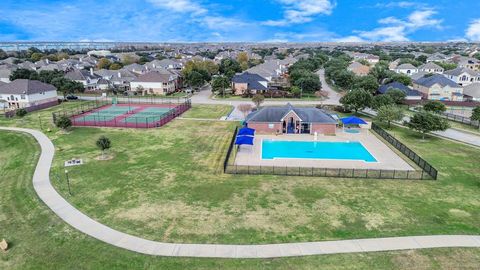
pixel 21 112
pixel 63 122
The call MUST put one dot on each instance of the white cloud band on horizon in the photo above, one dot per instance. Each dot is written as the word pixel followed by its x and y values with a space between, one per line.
pixel 473 30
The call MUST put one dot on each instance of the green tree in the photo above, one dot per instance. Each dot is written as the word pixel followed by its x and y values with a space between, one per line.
pixel 435 106
pixel 103 63
pixel 389 113
pixel 115 66
pixel 36 56
pixel 21 112
pixel 401 78
pixel 368 83
pixel 344 79
pixel 476 114
pixel 425 122
pixel 23 73
pixel 103 143
pixel 296 91
pixel 229 67
pixel 381 100
pixel 63 122
pixel 356 99
pixel 258 100
pixel 195 79
pixel 220 83
pixel 309 83
pixel 397 95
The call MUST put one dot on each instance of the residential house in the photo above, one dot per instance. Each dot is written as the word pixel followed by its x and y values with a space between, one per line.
pixel 438 87
pixel 437 57
pixel 370 58
pixel 248 83
pixel 407 69
pixel 22 93
pixel 135 68
pixel 472 91
pixel 431 68
pixel 5 74
pixel 469 63
pixel 463 76
pixel 154 82
pixel 89 79
pixel 359 69
pixel 410 94
pixel 291 120
pixel 119 79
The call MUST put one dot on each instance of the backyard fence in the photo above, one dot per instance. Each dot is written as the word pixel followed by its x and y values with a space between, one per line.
pixel 461 119
pixel 424 165
pixel 32 108
pixel 427 172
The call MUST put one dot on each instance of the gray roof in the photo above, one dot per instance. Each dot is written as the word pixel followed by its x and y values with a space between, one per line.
pixel 252 80
pixel 154 76
pixel 26 87
pixel 406 66
pixel 460 70
pixel 436 79
pixel 80 75
pixel 472 90
pixel 275 115
pixel 430 65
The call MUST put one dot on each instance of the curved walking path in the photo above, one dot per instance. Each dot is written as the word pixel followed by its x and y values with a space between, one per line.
pixel 83 223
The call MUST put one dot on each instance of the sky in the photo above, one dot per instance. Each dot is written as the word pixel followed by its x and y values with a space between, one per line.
pixel 239 20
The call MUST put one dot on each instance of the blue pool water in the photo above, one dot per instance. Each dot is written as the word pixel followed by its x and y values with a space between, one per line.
pixel 315 150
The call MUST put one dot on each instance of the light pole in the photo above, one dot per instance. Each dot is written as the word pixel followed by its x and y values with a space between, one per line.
pixel 68 182
pixel 40 122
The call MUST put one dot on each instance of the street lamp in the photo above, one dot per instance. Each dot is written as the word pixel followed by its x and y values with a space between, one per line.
pixel 68 182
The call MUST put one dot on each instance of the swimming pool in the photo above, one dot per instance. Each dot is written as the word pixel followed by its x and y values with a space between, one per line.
pixel 315 150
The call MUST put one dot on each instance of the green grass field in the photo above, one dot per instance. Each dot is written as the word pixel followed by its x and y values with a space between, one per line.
pixel 207 111
pixel 40 240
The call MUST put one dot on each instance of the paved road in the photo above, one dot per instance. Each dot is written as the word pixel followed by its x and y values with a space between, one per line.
pixel 333 96
pixel 83 223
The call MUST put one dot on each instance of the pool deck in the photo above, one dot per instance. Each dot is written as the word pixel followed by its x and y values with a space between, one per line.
pixel 386 158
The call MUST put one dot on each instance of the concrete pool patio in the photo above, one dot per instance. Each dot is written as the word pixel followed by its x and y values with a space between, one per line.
pixel 386 158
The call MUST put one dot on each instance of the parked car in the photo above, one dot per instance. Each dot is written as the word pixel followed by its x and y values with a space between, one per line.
pixel 71 97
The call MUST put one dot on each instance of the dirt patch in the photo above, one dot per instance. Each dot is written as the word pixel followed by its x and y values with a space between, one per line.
pixel 105 157
pixel 373 220
pixel 411 260
pixel 458 213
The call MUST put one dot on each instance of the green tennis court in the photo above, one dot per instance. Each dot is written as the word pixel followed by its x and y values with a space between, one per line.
pixel 147 115
pixel 107 114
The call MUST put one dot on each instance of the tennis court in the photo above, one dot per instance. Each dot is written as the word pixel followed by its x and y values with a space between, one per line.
pixel 130 115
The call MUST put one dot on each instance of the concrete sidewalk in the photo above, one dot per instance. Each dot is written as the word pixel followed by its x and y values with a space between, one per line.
pixel 83 223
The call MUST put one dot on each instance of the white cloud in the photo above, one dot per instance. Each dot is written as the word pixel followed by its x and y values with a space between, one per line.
pixel 473 31
pixel 180 6
pixel 396 30
pixel 349 39
pixel 401 4
pixel 301 11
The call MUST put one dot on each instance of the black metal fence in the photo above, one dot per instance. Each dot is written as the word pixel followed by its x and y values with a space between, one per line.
pixel 424 165
pixel 83 107
pixel 427 172
pixel 32 108
pixel 461 119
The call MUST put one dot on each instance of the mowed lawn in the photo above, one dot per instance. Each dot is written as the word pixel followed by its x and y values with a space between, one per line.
pixel 207 111
pixel 167 184
pixel 40 240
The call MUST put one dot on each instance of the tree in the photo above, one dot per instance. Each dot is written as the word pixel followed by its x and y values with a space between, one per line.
pixel 389 113
pixel 344 79
pixel 401 78
pixel 103 63
pixel 258 100
pixel 435 106
pixel 397 95
pixel 425 122
pixel 103 143
pixel 229 67
pixel 194 79
pixel 63 122
pixel 220 83
pixel 368 83
pixel 245 109
pixel 139 90
pixel 115 66
pixel 242 59
pixel 36 56
pixel 23 73
pixel 21 112
pixel 308 83
pixel 356 99
pixel 381 101
pixel 296 91
pixel 476 114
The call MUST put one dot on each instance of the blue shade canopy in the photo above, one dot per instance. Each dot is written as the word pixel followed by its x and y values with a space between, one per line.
pixel 244 140
pixel 352 120
pixel 246 132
